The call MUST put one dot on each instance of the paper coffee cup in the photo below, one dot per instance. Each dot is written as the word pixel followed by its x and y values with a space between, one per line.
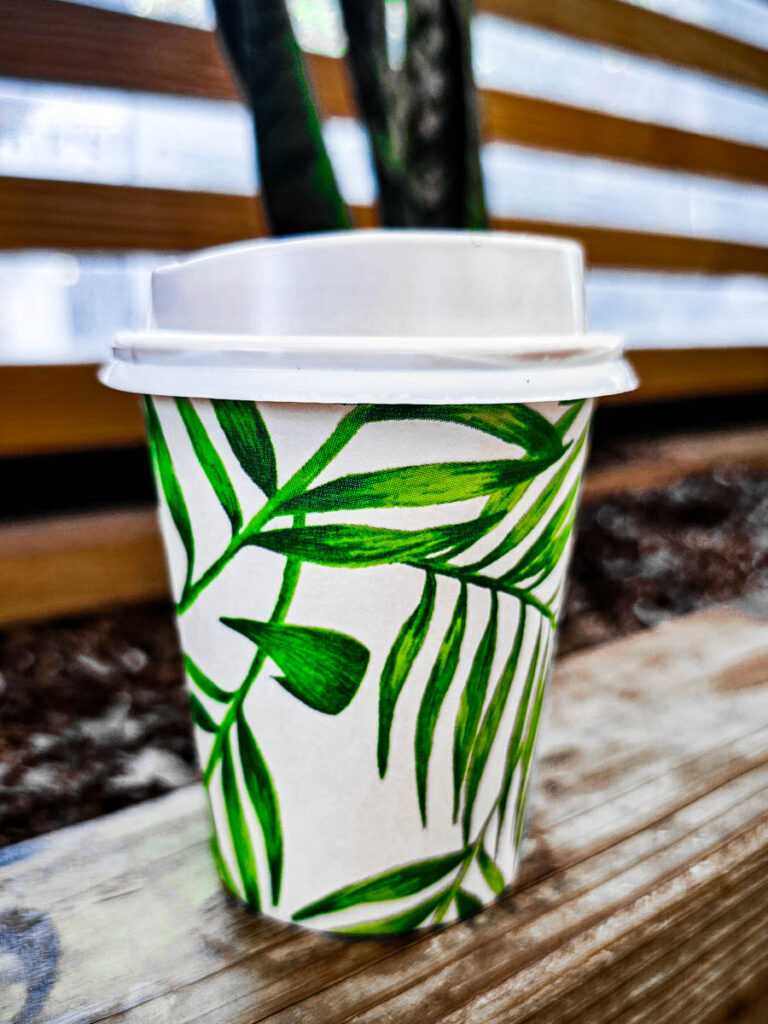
pixel 368 450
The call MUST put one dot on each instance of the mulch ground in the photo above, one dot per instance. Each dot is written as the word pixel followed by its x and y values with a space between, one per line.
pixel 93 713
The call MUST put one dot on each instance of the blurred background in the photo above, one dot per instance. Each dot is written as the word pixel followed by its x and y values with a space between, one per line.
pixel 641 129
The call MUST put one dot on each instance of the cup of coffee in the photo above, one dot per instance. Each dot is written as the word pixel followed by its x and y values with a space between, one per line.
pixel 368 450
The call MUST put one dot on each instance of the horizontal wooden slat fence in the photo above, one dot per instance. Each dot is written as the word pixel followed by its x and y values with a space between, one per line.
pixel 81 215
pixel 86 45
pixel 57 40
pixel 42 39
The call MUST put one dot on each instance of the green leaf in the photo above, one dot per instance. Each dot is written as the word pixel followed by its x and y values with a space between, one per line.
pixel 355 547
pixel 437 687
pixel 538 510
pixel 472 700
pixel 400 659
pixel 169 485
pixel 515 424
pixel 516 743
pixel 391 885
pixel 322 668
pixel 467 904
pixel 204 684
pixel 416 486
pixel 238 828
pixel 490 871
pixel 405 921
pixel 569 417
pixel 210 462
pixel 554 553
pixel 261 790
pixel 200 715
pixel 249 439
pixel 490 725
pixel 222 867
pixel 538 554
pixel 527 754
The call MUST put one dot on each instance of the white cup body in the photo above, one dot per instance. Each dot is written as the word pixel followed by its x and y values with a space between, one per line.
pixel 315 821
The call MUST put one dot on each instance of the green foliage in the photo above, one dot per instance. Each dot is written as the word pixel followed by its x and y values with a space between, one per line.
pixel 211 463
pixel 391 885
pixel 169 485
pixel 261 791
pixel 297 182
pixel 400 659
pixel 324 669
pixel 438 684
pixel 472 701
pixel 249 439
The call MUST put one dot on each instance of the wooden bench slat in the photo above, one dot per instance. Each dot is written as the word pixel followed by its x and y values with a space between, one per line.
pixel 73 564
pixel 663 902
pixel 79 215
pixel 69 42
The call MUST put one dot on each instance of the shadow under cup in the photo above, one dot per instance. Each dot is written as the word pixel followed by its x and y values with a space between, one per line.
pixel 367 591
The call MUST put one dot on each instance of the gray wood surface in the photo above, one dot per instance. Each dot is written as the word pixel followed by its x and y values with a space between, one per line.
pixel 643 897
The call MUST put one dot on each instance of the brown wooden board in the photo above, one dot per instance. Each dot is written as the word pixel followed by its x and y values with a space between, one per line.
pixel 47 409
pixel 65 565
pixel 68 42
pixel 642 898
pixel 81 215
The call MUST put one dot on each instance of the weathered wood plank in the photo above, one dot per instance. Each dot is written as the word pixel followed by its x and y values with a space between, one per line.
pixel 642 897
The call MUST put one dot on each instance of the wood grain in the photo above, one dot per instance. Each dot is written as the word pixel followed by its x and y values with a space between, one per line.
pixel 52 39
pixel 80 215
pixel 47 409
pixel 642 897
pixel 66 565
pixel 696 373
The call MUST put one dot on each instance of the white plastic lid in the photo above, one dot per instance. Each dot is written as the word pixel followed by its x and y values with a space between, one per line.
pixel 384 316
